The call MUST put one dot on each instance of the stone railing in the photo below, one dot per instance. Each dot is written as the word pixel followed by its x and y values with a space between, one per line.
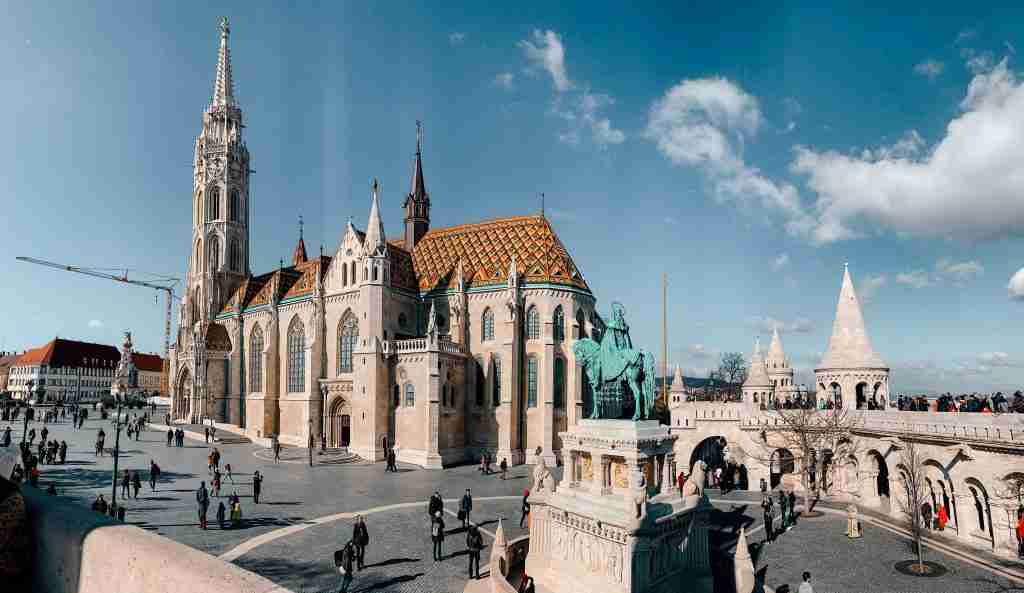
pixel 75 550
pixel 449 347
pixel 411 345
pixel 988 428
pixel 444 344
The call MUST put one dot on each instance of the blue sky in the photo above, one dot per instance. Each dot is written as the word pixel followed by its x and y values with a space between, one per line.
pixel 746 152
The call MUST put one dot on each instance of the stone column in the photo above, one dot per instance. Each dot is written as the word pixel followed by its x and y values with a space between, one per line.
pixel 434 412
pixel 600 465
pixel 546 389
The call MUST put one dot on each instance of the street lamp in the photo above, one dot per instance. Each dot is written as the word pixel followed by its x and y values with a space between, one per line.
pixel 310 448
pixel 323 417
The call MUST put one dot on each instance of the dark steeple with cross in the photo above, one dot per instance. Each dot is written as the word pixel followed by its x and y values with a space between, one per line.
pixel 417 203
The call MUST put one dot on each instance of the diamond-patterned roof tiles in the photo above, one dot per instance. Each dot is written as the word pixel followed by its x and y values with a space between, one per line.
pixel 486 251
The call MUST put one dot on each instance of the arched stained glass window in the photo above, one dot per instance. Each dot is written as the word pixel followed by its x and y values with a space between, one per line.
pixel 410 395
pixel 235 256
pixel 487 325
pixel 213 204
pixel 496 381
pixel 531 382
pixel 214 258
pixel 558 324
pixel 532 323
pixel 348 335
pixel 559 383
pixel 234 207
pixel 256 360
pixel 296 356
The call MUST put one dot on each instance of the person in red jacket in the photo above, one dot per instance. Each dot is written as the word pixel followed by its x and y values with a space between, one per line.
pixel 1020 535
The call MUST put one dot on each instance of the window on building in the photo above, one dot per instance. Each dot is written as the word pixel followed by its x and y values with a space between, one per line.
pixel 531 382
pixel 559 383
pixel 487 325
pixel 581 323
pixel 235 256
pixel 344 274
pixel 481 383
pixel 213 204
pixel 558 324
pixel 214 258
pixel 256 360
pixel 410 395
pixel 348 335
pixel 532 323
pixel 235 207
pixel 296 356
pixel 352 272
pixel 496 381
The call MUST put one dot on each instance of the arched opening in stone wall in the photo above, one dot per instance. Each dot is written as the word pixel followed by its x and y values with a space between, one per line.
pixel 982 508
pixel 183 395
pixel 782 463
pixel 881 478
pixel 862 395
pixel 837 395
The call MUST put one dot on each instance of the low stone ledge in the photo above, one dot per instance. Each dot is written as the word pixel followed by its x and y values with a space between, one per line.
pixel 76 550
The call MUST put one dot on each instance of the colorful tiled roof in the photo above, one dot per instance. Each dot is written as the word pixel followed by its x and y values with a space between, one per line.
pixel 71 353
pixel 148 362
pixel 403 272
pixel 290 282
pixel 486 251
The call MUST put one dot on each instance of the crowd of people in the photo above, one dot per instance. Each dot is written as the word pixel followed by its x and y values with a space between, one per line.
pixel 996 403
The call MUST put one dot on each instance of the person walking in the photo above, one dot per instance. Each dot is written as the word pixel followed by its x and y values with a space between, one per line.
pixel 126 482
pixel 236 511
pixel 257 485
pixel 343 559
pixel 926 515
pixel 792 508
pixel 474 543
pixel 805 586
pixel 942 518
pixel 216 483
pixel 203 500
pixel 465 507
pixel 277 449
pixel 221 514
pixel 504 468
pixel 136 484
pixel 206 435
pixel 525 509
pixel 227 469
pixel 769 518
pixel 436 504
pixel 154 474
pixel 360 539
pixel 63 451
pixel 170 436
pixel 783 519
pixel 680 482
pixel 437 536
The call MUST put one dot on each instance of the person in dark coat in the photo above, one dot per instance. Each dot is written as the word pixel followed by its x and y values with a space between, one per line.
pixel 526 508
pixel 792 508
pixel 436 505
pixel 154 474
pixel 360 539
pixel 63 451
pixel 170 436
pixel 136 483
pixel 221 514
pixel 437 536
pixel 783 517
pixel 203 500
pixel 465 508
pixel 769 517
pixel 257 486
pixel 343 559
pixel 474 543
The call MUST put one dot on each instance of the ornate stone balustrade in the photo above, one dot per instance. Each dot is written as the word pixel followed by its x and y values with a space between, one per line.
pixel 444 345
pixel 411 345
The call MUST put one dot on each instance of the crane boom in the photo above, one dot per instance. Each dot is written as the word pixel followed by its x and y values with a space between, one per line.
pixel 167 287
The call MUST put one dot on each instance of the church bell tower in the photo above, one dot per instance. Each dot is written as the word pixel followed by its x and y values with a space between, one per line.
pixel 417 203
pixel 219 260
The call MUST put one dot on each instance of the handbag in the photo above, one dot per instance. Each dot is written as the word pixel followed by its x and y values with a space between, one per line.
pixel 462 515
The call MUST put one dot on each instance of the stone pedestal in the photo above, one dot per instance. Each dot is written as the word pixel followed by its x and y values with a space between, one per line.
pixel 615 523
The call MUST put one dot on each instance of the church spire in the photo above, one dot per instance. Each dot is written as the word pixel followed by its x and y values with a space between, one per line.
pixel 375 242
pixel 223 85
pixel 775 353
pixel 299 257
pixel 849 346
pixel 417 203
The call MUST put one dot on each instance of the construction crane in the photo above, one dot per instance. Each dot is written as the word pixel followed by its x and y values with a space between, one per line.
pixel 162 283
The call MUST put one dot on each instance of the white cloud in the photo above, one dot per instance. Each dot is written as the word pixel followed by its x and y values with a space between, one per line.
pixel 704 123
pixel 781 262
pixel 547 52
pixel 870 286
pixel 959 272
pixel 766 325
pixel 95 323
pixel 968 185
pixel 505 80
pixel 914 279
pixel 456 38
pixel 1016 285
pixel 929 68
pixel 996 359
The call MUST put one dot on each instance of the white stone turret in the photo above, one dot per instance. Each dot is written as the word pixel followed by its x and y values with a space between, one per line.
pixel 851 372
pixel 758 386
pixel 779 372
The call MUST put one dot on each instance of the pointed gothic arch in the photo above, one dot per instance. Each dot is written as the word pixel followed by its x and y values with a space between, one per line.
pixel 581 325
pixel 256 346
pixel 558 324
pixel 213 259
pixel 235 256
pixel 234 207
pixel 296 343
pixel 212 203
pixel 348 337
pixel 487 325
pixel 532 323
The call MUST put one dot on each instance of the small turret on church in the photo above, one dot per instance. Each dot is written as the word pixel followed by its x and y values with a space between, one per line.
pixel 417 203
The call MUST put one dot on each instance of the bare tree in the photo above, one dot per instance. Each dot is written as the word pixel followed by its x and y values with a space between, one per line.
pixel 915 495
pixel 809 435
pixel 732 368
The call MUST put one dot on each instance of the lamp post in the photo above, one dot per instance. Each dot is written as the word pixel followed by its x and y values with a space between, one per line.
pixel 121 391
pixel 29 412
pixel 310 442
pixel 323 419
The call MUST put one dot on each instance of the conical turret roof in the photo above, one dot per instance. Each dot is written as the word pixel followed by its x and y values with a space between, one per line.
pixel 757 376
pixel 375 242
pixel 299 255
pixel 223 85
pixel 775 353
pixel 849 347
pixel 678 384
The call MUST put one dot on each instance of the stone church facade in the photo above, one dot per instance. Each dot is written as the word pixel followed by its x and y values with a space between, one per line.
pixel 443 342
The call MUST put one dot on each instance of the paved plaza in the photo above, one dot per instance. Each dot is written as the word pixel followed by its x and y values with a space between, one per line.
pixel 307 513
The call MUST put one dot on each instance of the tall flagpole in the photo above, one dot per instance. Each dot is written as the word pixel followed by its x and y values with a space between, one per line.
pixel 664 336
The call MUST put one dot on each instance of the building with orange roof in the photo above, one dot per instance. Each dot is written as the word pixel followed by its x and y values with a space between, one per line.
pixel 441 343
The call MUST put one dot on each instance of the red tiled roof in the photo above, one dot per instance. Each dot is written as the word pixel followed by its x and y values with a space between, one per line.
pixel 71 353
pixel 148 362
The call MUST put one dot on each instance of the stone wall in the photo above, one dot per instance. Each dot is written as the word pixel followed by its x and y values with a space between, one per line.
pixel 72 554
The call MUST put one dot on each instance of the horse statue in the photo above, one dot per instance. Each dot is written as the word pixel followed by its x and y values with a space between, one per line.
pixel 613 362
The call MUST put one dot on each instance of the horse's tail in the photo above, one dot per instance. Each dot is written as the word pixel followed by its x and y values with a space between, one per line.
pixel 649 386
